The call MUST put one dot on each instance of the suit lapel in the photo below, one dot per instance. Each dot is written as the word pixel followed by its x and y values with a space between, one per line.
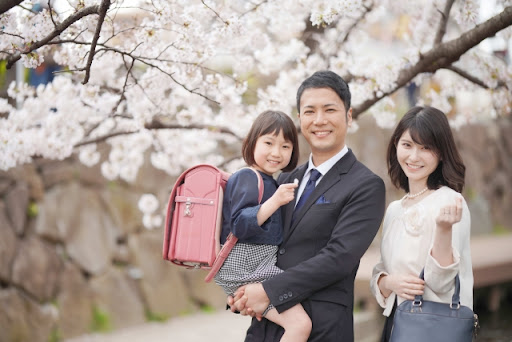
pixel 332 177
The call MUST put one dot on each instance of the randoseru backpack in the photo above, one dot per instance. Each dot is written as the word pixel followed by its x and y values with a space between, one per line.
pixel 193 221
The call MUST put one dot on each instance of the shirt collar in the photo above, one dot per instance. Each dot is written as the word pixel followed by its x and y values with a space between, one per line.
pixel 328 164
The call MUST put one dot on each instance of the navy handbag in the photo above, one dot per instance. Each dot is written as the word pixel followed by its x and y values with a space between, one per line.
pixel 426 321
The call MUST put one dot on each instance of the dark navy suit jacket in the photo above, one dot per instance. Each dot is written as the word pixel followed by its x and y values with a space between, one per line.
pixel 321 249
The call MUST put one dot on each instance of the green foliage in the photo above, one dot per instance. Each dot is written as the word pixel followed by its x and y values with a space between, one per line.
pixel 32 210
pixel 500 230
pixel 3 73
pixel 113 185
pixel 156 317
pixel 26 75
pixel 55 335
pixel 470 194
pixel 184 313
pixel 100 320
pixel 207 309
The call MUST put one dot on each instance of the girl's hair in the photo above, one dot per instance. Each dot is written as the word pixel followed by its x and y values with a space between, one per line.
pixel 271 121
pixel 428 127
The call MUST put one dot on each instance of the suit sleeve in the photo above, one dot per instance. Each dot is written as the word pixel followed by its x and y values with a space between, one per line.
pixel 354 230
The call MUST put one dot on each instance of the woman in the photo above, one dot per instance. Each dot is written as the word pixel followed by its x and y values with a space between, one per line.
pixel 429 228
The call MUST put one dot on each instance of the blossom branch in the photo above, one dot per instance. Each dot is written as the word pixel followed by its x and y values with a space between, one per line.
pixel 443 55
pixel 156 124
pixel 144 61
pixel 474 79
pixel 445 15
pixel 103 138
pixel 56 32
pixel 254 8
pixel 104 6
pixel 367 9
pixel 216 14
pixel 122 97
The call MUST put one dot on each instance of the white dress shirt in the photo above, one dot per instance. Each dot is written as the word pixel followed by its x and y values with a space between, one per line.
pixel 322 168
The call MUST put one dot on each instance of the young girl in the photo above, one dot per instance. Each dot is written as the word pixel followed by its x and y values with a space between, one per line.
pixel 429 228
pixel 270 146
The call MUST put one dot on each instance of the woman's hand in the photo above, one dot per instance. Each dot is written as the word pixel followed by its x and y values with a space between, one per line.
pixel 405 286
pixel 449 215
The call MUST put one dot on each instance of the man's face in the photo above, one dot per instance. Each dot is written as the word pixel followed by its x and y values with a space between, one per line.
pixel 323 122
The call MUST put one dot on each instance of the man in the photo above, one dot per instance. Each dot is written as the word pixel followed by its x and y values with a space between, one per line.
pixel 325 238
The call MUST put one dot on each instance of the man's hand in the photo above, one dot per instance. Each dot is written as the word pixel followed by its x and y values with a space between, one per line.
pixel 257 300
pixel 237 303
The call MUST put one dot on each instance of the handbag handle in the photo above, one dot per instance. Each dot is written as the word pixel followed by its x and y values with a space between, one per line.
pixel 455 304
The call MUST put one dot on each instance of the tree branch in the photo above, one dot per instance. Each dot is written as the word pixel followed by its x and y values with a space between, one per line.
pixel 105 4
pixel 215 12
pixel 367 10
pixel 6 5
pixel 58 30
pixel 122 97
pixel 156 124
pixel 445 15
pixel 103 138
pixel 474 79
pixel 443 55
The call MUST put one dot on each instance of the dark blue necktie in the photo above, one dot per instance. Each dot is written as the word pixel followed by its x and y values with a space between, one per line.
pixel 310 186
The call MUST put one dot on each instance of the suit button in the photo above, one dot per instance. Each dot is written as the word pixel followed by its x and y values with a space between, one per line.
pixel 282 251
pixel 285 296
pixel 290 294
pixel 280 298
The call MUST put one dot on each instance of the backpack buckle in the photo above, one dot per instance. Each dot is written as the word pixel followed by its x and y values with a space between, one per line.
pixel 188 206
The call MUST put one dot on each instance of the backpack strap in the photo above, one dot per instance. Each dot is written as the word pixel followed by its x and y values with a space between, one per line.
pixel 231 240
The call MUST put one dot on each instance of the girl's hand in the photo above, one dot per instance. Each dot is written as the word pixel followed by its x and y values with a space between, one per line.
pixel 285 193
pixel 449 215
pixel 405 286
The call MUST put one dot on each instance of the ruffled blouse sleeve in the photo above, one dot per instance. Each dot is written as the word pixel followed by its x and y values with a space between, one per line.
pixel 440 279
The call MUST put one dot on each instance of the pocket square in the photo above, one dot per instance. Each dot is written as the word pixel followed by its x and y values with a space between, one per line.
pixel 321 200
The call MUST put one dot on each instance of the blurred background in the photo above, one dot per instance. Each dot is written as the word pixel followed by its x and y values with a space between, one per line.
pixel 78 264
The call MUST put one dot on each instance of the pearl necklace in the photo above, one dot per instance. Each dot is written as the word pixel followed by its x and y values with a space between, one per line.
pixel 417 194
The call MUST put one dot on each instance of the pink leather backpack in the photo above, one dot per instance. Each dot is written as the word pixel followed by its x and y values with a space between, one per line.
pixel 194 219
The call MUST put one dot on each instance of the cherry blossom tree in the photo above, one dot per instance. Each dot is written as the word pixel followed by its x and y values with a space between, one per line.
pixel 175 78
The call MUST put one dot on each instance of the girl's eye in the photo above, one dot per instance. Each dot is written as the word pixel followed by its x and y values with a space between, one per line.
pixel 268 143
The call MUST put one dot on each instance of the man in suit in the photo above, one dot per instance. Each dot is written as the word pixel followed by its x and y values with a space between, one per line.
pixel 324 239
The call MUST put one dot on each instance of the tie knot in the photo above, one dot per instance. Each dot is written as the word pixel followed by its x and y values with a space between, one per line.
pixel 315 174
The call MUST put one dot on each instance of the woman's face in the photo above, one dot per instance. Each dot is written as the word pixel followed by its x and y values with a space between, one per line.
pixel 417 161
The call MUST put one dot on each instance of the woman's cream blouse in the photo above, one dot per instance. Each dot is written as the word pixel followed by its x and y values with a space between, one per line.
pixel 407 238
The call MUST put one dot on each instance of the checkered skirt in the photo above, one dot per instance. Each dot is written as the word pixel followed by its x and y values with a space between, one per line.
pixel 247 263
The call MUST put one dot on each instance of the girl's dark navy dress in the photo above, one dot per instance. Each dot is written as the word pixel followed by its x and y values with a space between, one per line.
pixel 254 256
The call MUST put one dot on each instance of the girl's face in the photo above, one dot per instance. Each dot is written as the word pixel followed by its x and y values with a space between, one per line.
pixel 272 153
pixel 417 161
